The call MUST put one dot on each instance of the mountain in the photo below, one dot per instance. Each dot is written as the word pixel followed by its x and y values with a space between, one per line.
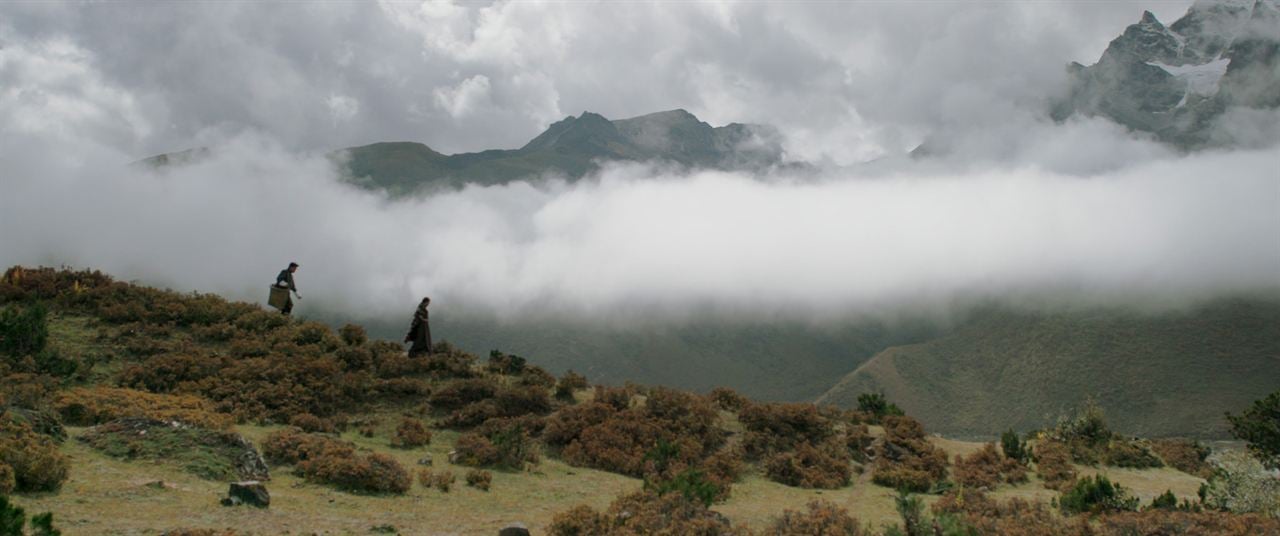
pixel 1155 374
pixel 572 147
pixel 1176 81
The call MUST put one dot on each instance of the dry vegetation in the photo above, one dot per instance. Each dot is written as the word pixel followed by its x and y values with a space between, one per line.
pixel 342 417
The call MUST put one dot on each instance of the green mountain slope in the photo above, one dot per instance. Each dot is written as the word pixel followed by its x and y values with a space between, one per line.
pixel 1167 374
pixel 767 360
pixel 571 148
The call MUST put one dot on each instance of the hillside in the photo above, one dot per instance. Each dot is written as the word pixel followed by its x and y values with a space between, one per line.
pixel 778 360
pixel 126 409
pixel 1156 375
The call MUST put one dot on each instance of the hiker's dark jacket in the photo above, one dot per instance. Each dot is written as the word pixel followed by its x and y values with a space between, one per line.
pixel 286 277
pixel 419 333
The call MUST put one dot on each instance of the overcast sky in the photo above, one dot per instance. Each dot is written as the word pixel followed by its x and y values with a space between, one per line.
pixel 848 80
pixel 1025 207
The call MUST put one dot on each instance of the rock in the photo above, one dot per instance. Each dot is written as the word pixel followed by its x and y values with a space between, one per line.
pixel 514 529
pixel 425 460
pixel 249 492
pixel 179 442
pixel 453 456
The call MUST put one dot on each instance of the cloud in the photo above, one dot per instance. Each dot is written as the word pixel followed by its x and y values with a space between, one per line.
pixel 1022 208
pixel 845 82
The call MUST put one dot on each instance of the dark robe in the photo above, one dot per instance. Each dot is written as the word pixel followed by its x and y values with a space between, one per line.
pixel 419 333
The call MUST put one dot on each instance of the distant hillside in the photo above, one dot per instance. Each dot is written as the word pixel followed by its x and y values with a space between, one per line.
pixel 1175 81
pixel 1171 374
pixel 765 360
pixel 571 148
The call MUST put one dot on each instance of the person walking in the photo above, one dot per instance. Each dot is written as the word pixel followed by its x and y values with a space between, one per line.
pixel 419 331
pixel 285 280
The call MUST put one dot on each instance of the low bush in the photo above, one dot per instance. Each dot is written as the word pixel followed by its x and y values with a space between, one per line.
pixel 479 479
pixel 411 433
pixel 373 473
pixel 825 466
pixel 569 383
pixel 13 520
pixel 1133 454
pixel 33 458
pixel 1095 495
pixel 85 406
pixel 727 399
pixel 1013 446
pixel 500 443
pixel 1164 501
pixel 310 423
pixel 857 438
pixel 327 460
pixel 353 335
pixel 774 428
pixel 1053 464
pixel 458 393
pixel 819 518
pixel 505 364
pixel 8 479
pixel 644 512
pixel 905 459
pixel 1187 456
pixel 441 480
pixel 986 468
pixel 876 405
pixel 23 330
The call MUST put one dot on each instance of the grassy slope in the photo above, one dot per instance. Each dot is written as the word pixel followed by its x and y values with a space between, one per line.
pixel 1171 374
pixel 112 496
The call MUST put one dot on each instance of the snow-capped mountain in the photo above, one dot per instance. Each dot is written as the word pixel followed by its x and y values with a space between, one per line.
pixel 1176 81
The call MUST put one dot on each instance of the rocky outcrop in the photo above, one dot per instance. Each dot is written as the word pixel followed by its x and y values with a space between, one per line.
pixel 1175 81
pixel 250 492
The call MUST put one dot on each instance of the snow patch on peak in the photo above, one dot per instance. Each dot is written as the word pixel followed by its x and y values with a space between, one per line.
pixel 1200 79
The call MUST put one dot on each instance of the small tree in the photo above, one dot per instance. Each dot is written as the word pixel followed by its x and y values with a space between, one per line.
pixel 876 404
pixel 1259 427
pixel 1096 495
pixel 1014 447
pixel 23 331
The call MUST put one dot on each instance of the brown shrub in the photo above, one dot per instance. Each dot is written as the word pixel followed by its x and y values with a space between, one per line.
pixel 411 433
pixel 291 446
pixel 1187 456
pixel 310 423
pixel 8 479
pixel 644 512
pixel 857 438
pixel 773 428
pixel 905 459
pixel 460 392
pixel 32 458
pixel 479 479
pixel 825 466
pixel 353 335
pixel 980 514
pixel 85 406
pixel 987 468
pixel 1159 522
pixel 1053 464
pixel 374 473
pixel 727 399
pixel 499 443
pixel 821 517
pixel 441 480
pixel 581 520
pixel 569 383
pixel 28 390
pixel 566 425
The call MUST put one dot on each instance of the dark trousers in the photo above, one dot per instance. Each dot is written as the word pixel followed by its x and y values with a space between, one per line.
pixel 288 307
